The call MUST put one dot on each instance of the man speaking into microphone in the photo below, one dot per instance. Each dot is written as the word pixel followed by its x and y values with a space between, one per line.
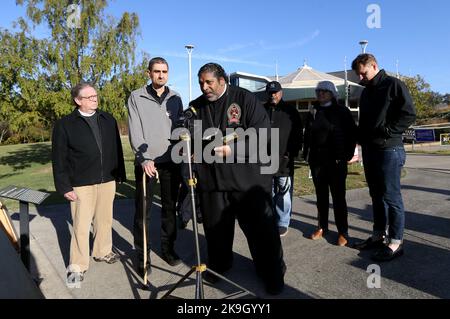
pixel 230 189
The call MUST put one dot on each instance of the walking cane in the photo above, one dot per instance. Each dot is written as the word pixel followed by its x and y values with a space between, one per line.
pixel 144 224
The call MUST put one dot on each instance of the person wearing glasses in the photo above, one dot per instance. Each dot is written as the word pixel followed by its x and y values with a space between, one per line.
pixel 330 140
pixel 87 161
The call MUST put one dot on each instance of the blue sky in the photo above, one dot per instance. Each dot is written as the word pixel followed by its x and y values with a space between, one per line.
pixel 252 36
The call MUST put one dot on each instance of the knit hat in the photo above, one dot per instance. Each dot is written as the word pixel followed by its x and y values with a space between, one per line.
pixel 327 86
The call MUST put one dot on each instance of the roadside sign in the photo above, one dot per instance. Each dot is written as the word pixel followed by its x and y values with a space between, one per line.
pixel 425 135
pixel 409 135
pixel 445 139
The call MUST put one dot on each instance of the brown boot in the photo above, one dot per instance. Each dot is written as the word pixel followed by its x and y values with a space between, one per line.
pixel 342 240
pixel 318 234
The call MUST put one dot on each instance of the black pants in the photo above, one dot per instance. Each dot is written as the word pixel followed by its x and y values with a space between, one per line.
pixel 169 177
pixel 254 213
pixel 328 177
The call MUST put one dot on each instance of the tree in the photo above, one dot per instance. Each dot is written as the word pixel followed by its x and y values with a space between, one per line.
pixel 421 94
pixel 37 74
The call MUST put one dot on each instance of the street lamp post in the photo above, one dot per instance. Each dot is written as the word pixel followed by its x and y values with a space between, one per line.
pixel 363 45
pixel 189 48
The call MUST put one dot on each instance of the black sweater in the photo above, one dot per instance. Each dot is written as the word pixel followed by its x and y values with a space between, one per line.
pixel 77 160
pixel 330 135
pixel 386 111
pixel 231 176
pixel 286 118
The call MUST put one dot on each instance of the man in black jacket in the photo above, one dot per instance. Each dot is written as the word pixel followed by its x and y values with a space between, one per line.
pixel 386 111
pixel 230 189
pixel 286 119
pixel 87 161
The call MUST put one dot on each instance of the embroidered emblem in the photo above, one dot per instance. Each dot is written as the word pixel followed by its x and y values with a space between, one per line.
pixel 234 114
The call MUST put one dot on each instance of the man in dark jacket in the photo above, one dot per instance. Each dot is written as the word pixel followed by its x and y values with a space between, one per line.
pixel 386 111
pixel 231 189
pixel 87 161
pixel 286 119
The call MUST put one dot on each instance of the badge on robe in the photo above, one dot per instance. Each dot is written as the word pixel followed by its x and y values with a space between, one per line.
pixel 234 114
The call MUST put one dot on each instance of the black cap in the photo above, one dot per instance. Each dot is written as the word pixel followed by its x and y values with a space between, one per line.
pixel 273 87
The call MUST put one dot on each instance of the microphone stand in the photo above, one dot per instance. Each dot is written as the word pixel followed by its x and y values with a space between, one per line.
pixel 198 268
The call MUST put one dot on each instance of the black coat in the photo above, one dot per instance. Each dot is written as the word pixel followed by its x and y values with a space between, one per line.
pixel 286 118
pixel 235 176
pixel 330 135
pixel 76 157
pixel 386 111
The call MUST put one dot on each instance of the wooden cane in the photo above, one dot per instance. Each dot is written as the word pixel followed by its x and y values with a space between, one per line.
pixel 144 219
pixel 144 224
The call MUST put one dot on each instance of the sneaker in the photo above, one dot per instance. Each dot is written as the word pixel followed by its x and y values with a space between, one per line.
pixel 387 254
pixel 74 279
pixel 369 244
pixel 283 231
pixel 111 258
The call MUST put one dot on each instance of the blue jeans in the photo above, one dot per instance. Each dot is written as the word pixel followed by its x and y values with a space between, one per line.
pixel 281 198
pixel 383 169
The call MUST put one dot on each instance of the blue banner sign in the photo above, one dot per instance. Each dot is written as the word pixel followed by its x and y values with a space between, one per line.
pixel 425 135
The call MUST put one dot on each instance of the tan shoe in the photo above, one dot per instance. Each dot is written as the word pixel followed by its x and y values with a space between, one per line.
pixel 342 241
pixel 318 234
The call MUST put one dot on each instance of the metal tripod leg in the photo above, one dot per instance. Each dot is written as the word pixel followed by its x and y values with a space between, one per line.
pixel 199 268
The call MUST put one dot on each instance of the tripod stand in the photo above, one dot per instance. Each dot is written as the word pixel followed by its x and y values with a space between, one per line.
pixel 199 268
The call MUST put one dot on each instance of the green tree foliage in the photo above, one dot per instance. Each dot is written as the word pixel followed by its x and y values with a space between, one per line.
pixel 424 99
pixel 36 75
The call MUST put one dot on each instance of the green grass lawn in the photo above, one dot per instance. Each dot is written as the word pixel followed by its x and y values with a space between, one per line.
pixel 436 152
pixel 303 185
pixel 29 165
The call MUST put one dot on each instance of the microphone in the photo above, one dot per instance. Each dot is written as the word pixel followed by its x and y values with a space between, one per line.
pixel 190 112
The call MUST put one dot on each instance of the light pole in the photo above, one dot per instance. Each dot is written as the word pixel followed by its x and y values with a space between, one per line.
pixel 363 45
pixel 189 48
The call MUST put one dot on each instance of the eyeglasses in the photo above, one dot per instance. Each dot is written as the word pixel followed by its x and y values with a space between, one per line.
pixel 91 98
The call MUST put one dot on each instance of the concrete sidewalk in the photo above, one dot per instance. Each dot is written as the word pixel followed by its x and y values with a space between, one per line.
pixel 315 269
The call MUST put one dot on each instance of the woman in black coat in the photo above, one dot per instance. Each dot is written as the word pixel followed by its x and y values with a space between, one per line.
pixel 330 140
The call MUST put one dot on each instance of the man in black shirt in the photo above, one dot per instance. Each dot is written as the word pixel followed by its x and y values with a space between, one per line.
pixel 230 190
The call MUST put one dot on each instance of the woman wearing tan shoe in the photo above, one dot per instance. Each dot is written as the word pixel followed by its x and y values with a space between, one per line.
pixel 330 139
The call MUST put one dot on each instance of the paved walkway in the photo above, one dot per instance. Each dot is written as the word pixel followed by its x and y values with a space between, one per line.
pixel 316 269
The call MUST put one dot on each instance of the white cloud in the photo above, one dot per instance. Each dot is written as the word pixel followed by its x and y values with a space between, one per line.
pixel 291 45
pixel 217 58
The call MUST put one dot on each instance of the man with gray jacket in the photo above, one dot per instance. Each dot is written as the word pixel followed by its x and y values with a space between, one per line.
pixel 152 113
